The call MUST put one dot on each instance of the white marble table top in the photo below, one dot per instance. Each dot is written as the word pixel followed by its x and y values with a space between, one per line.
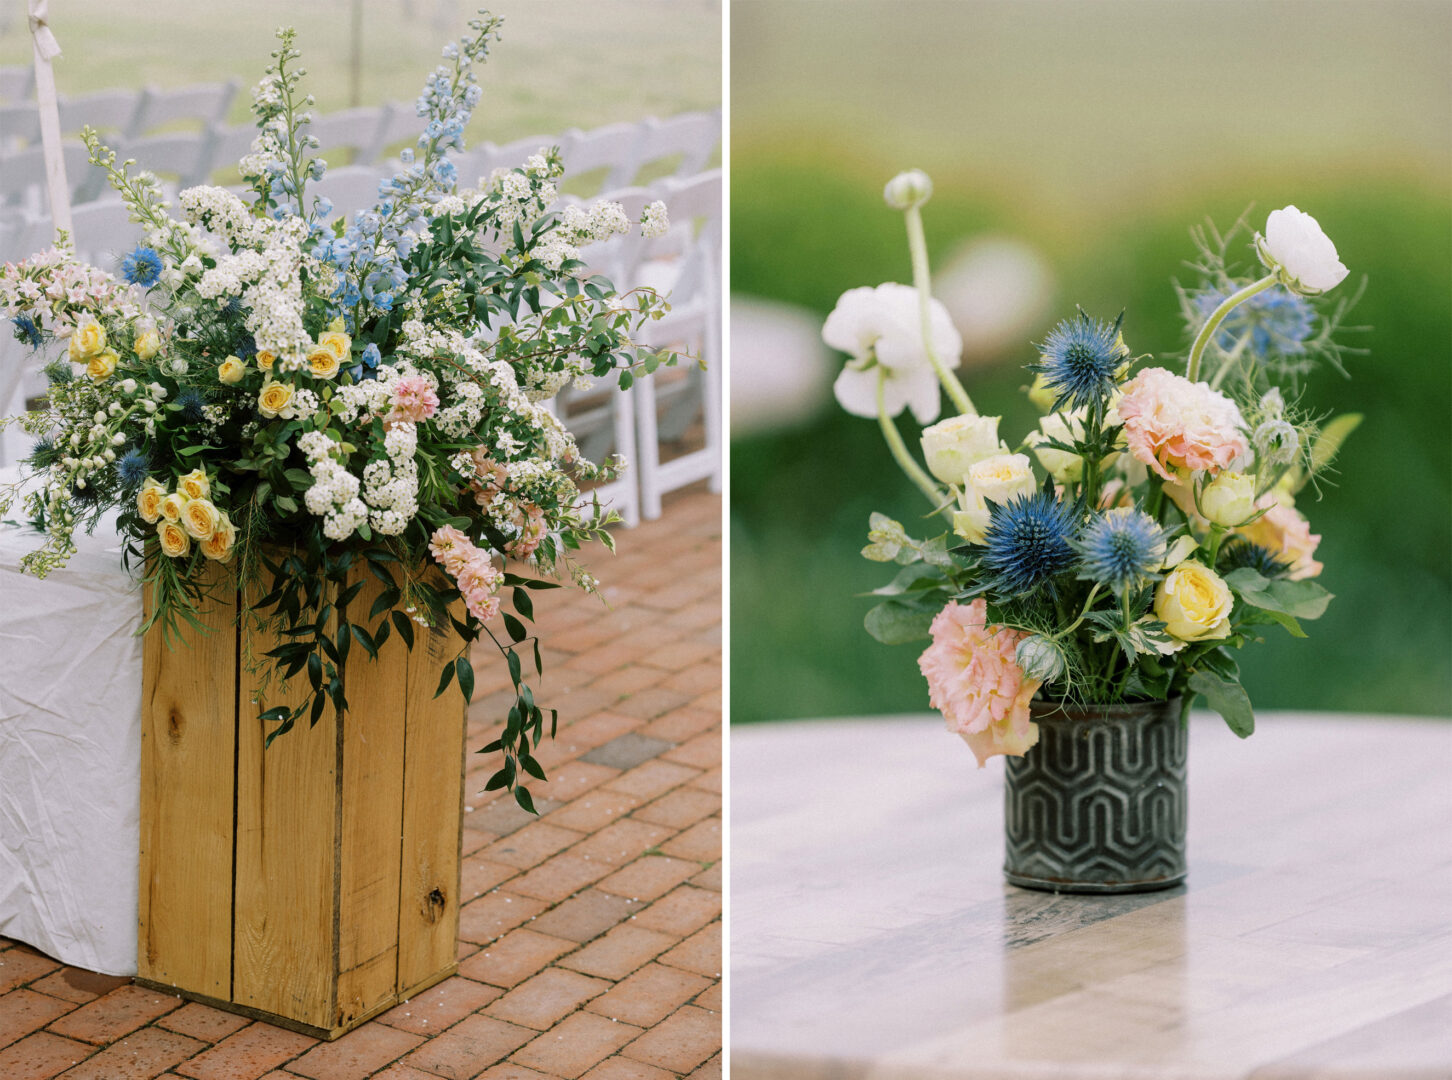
pixel 872 934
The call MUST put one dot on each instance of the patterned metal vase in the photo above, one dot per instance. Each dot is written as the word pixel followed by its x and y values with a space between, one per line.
pixel 1098 806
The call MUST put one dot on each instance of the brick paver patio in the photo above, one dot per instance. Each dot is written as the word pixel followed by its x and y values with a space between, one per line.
pixel 590 937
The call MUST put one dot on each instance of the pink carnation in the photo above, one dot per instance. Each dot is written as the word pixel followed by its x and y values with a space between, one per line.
pixel 413 399
pixel 974 681
pixel 1172 423
pixel 1287 535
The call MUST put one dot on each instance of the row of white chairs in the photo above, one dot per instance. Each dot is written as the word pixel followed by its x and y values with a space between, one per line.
pixel 124 114
pixel 684 264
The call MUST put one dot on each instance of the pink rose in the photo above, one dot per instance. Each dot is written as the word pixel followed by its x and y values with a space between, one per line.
pixel 975 683
pixel 1287 535
pixel 1172 423
pixel 413 400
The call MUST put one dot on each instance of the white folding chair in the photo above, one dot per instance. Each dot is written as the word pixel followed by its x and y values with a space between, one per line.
pixel 401 129
pixel 692 280
pixel 19 125
pixel 104 233
pixel 22 175
pixel 612 147
pixel 16 83
pixel 183 157
pixel 110 111
pixel 689 137
pixel 229 145
pixel 206 104
pixel 350 189
pixel 358 130
pixel 510 155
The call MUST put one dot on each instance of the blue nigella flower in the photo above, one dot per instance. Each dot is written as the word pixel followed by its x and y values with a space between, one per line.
pixel 132 467
pixel 142 267
pixel 27 331
pixel 1080 358
pixel 1277 321
pixel 1028 542
pixel 189 404
pixel 1122 549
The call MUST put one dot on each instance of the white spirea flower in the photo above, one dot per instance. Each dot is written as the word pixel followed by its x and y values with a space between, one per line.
pixel 1295 248
pixel 884 325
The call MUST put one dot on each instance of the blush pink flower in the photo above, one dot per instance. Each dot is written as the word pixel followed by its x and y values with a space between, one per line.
pixel 1285 534
pixel 413 400
pixel 451 549
pixel 479 581
pixel 532 530
pixel 975 683
pixel 1173 423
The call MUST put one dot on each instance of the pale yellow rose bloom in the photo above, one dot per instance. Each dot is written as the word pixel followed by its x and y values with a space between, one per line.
pixel 1040 395
pixel 218 546
pixel 195 485
pixel 970 520
pixel 87 339
pixel 172 505
pixel 200 518
pixel 265 360
pixel 322 363
pixel 1002 477
pixel 103 365
pixel 338 325
pixel 1228 499
pixel 148 500
pixel 1194 604
pixel 231 370
pixel 337 343
pixel 174 539
pixel 951 446
pixel 148 344
pixel 273 398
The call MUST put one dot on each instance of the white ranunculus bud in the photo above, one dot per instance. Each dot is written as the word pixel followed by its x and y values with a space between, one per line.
pixel 1299 252
pixel 952 446
pixel 908 189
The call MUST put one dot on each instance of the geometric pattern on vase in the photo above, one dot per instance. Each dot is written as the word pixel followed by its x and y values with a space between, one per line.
pixel 1099 805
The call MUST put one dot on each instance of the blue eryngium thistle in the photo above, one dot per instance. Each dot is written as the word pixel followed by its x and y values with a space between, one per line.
pixel 1121 548
pixel 142 267
pixel 189 404
pixel 132 467
pixel 1275 321
pixel 27 331
pixel 1239 552
pixel 1080 359
pixel 1028 543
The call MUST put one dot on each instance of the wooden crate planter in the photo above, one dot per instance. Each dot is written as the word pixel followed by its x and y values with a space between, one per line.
pixel 313 883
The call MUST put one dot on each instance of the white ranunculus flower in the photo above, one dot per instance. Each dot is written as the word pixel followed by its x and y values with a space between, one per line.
pixel 883 325
pixel 1304 256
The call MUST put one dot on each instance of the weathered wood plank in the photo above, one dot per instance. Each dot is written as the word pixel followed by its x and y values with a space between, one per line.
pixel 188 733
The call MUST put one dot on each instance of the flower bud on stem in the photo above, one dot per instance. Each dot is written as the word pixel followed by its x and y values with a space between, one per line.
pixel 918 246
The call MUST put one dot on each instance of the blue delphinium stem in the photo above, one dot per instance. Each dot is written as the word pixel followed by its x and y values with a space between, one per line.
pixel 918 246
pixel 1202 339
pixel 899 449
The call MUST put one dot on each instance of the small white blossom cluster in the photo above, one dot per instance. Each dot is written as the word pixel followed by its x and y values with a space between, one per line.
pixel 269 284
pixel 390 486
pixel 225 214
pixel 653 220
pixel 334 498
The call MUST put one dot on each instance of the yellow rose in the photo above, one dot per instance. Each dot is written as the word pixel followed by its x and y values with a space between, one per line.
pixel 1002 477
pixel 1228 499
pixel 195 485
pixel 1040 394
pixel 172 506
pixel 231 370
pixel 337 343
pixel 200 519
pixel 88 338
pixel 148 344
pixel 338 325
pixel 218 546
pixel 148 500
pixel 174 539
pixel 273 398
pixel 264 361
pixel 322 362
pixel 971 520
pixel 951 446
pixel 103 365
pixel 1194 604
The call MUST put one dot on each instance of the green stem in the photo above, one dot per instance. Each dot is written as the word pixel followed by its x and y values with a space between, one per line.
pixel 1088 603
pixel 1230 361
pixel 1202 339
pixel 918 246
pixel 899 449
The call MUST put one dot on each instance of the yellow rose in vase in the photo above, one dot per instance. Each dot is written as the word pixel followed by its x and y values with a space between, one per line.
pixel 337 343
pixel 323 362
pixel 103 365
pixel 1194 604
pixel 200 519
pixel 231 370
pixel 87 339
pixel 172 506
pixel 174 539
pixel 265 361
pixel 195 485
pixel 273 398
pixel 148 344
pixel 148 500
pixel 219 546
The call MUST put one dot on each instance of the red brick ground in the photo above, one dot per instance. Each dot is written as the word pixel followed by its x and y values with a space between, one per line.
pixel 590 937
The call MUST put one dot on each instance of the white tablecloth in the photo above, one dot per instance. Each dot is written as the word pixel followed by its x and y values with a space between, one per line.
pixel 70 753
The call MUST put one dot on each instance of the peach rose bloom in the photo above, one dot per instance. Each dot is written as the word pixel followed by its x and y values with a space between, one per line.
pixel 975 683
pixel 1287 535
pixel 1171 423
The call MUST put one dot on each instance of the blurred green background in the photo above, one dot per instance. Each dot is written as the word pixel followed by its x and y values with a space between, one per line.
pixel 1098 132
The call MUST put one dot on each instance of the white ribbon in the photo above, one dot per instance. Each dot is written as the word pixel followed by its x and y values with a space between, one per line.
pixel 46 49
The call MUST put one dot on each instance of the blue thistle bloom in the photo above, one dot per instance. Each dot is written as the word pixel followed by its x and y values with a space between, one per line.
pixel 245 347
pixel 44 453
pixel 1240 552
pixel 132 468
pixel 27 331
pixel 142 267
pixel 1080 359
pixel 1277 321
pixel 1027 542
pixel 1122 549
pixel 189 404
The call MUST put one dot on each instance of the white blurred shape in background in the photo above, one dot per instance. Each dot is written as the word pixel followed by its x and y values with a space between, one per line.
pixel 997 288
pixel 781 372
